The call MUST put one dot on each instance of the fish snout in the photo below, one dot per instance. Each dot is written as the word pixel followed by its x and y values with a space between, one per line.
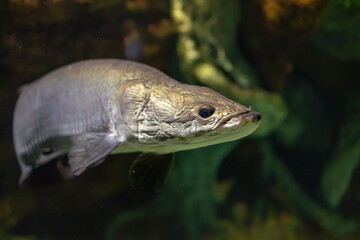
pixel 251 116
pixel 256 117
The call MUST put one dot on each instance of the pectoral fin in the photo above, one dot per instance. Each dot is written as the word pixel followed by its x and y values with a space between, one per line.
pixel 90 149
pixel 149 172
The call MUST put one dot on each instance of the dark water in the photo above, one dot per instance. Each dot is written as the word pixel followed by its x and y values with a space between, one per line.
pixel 295 62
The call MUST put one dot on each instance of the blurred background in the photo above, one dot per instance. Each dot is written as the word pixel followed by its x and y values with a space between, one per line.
pixel 297 62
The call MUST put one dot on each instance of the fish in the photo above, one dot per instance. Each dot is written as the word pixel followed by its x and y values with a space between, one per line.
pixel 90 109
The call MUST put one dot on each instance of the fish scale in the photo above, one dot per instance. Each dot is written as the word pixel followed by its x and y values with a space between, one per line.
pixel 94 108
pixel 75 114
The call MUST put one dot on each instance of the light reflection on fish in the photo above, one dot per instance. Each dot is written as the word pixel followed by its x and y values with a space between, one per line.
pixel 94 108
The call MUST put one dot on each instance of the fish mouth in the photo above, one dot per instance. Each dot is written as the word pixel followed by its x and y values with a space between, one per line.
pixel 237 119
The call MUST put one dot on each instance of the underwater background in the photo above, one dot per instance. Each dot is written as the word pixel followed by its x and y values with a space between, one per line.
pixel 297 62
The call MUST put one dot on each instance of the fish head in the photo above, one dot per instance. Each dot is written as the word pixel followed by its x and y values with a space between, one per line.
pixel 204 117
pixel 173 116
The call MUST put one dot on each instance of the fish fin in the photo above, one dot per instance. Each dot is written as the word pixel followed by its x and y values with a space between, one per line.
pixel 27 168
pixel 45 158
pixel 149 172
pixel 90 149
pixel 64 171
pixel 25 173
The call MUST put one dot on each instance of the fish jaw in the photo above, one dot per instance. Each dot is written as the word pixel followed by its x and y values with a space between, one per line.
pixel 238 119
pixel 237 126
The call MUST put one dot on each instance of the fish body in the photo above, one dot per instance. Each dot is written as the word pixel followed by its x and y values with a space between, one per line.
pixel 93 108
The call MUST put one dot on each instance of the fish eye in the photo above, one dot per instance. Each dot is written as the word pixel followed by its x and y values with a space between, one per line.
pixel 206 111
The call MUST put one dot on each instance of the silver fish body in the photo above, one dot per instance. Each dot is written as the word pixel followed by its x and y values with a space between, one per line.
pixel 92 108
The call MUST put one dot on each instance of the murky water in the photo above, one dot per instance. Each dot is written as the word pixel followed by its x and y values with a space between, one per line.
pixel 295 62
